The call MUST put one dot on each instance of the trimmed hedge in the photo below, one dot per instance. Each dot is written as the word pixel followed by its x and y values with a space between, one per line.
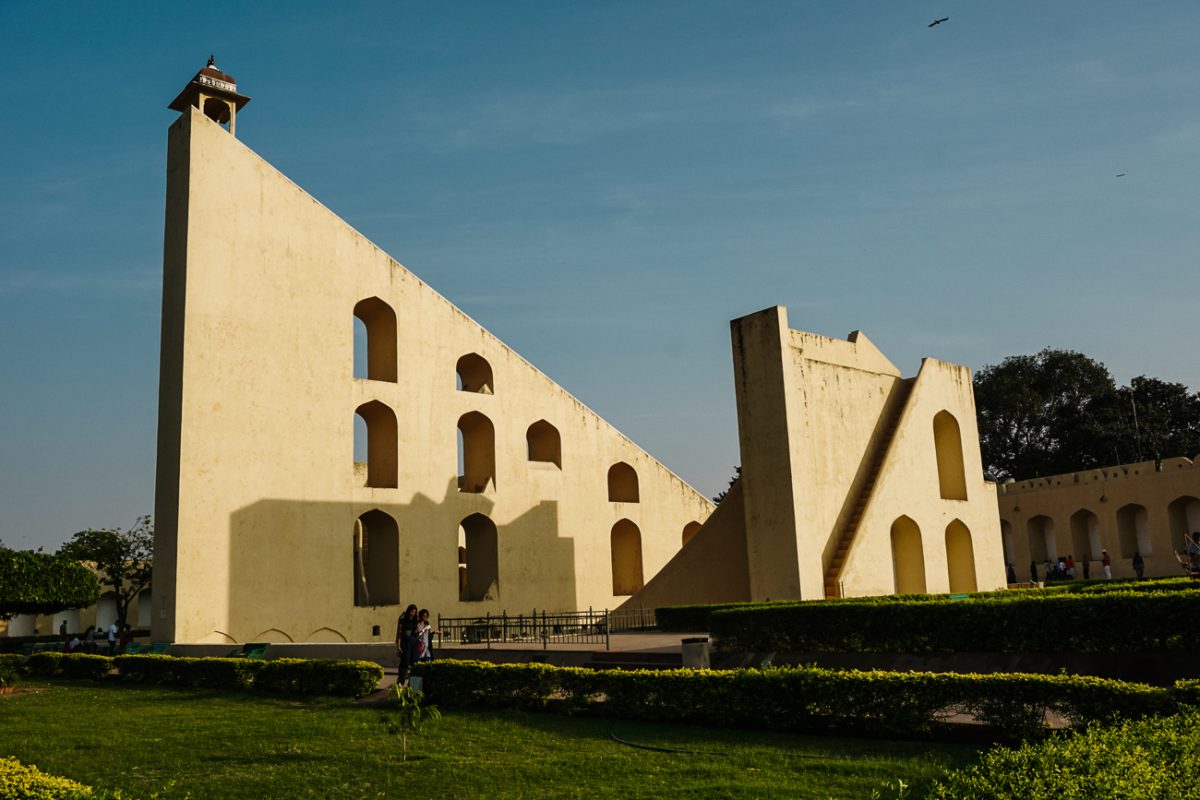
pixel 798 699
pixel 1152 759
pixel 301 676
pixel 77 666
pixel 284 675
pixel 1105 622
pixel 193 673
pixel 21 782
pixel 9 667
pixel 685 619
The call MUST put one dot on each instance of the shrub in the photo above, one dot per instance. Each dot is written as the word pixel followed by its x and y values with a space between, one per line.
pixel 84 666
pixel 45 664
pixel 1187 692
pixel 799 699
pixel 1086 622
pixel 198 673
pixel 284 675
pixel 9 667
pixel 20 782
pixel 300 676
pixel 1153 759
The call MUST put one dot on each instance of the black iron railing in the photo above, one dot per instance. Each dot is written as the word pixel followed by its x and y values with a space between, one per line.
pixel 543 627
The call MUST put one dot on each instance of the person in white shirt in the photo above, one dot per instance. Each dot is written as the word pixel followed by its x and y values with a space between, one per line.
pixel 112 639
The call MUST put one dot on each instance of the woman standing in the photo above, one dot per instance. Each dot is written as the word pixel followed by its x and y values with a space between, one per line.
pixel 406 642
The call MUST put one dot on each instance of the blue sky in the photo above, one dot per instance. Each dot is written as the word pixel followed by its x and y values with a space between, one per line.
pixel 604 185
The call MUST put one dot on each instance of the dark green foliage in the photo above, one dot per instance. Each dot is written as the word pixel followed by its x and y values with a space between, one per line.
pixel 76 666
pixel 1152 759
pixel 1128 621
pixel 1060 411
pixel 123 557
pixel 284 675
pixel 207 673
pixel 798 699
pixel 9 666
pixel 299 676
pixel 1187 692
pixel 39 583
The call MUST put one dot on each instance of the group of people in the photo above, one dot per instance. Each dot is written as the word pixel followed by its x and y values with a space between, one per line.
pixel 1064 568
pixel 414 639
pixel 116 639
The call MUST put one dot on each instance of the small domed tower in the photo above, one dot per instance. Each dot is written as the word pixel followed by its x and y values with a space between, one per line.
pixel 214 93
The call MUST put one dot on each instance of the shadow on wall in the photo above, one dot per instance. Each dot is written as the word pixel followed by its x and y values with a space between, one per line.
pixel 297 568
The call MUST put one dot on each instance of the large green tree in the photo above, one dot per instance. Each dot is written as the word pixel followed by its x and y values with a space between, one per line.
pixel 123 557
pixel 40 583
pixel 1060 411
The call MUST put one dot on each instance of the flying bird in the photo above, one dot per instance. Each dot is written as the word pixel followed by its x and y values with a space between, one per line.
pixel 1121 175
pixel 938 22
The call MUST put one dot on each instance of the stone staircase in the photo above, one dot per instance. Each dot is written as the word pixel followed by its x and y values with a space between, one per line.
pixel 880 444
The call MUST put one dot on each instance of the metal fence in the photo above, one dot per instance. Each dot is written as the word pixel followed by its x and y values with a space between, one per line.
pixel 543 627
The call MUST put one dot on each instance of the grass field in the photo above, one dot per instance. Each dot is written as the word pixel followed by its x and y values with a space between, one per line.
pixel 207 744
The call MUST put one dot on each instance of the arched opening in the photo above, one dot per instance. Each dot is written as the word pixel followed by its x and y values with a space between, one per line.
pixel 626 558
pixel 106 611
pixel 1007 542
pixel 947 443
pixel 1042 543
pixel 544 444
pixel 378 423
pixel 476 453
pixel 1133 530
pixel 71 617
pixel 374 340
pixel 960 558
pixel 1085 536
pixel 690 530
pixel 1183 515
pixel 474 374
pixel 622 483
pixel 908 557
pixel 376 560
pixel 478 559
pixel 218 110
pixel 145 608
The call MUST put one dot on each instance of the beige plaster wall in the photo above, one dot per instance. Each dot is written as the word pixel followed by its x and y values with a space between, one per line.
pixel 814 416
pixel 908 486
pixel 257 491
pixel 711 567
pixel 1169 492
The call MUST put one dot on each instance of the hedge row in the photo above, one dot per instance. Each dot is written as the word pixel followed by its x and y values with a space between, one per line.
pixel 283 675
pixel 796 699
pixel 9 666
pixel 1114 622
pixel 698 617
pixel 21 782
pixel 1152 759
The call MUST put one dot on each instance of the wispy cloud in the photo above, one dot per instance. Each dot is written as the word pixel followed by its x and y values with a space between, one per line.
pixel 562 117
pixel 131 281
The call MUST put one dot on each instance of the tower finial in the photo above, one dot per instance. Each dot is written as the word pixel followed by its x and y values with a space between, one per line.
pixel 212 60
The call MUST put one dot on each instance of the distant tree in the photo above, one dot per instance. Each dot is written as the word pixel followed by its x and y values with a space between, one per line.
pixel 1060 411
pixel 737 475
pixel 1045 413
pixel 40 583
pixel 123 557
pixel 1163 418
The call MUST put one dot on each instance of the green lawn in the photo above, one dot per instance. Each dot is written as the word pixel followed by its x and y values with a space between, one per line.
pixel 207 744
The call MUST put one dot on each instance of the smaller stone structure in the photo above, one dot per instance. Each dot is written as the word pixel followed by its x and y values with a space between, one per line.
pixel 855 480
pixel 1146 508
